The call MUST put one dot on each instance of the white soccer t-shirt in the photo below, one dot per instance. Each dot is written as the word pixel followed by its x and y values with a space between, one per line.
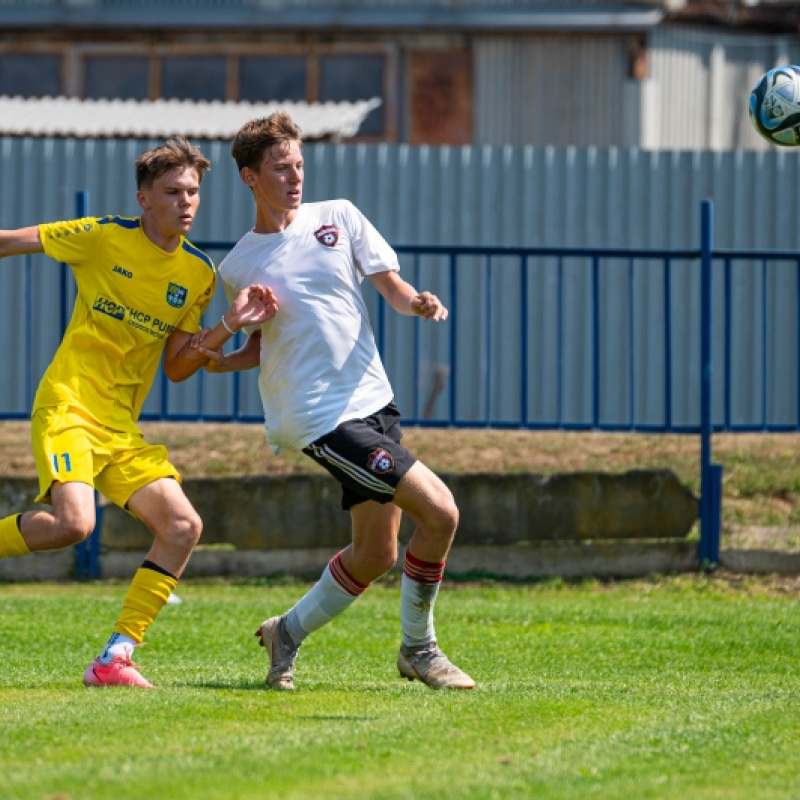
pixel 319 361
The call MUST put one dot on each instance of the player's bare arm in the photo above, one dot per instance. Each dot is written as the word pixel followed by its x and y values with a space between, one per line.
pixel 20 242
pixel 405 299
pixel 252 306
pixel 248 356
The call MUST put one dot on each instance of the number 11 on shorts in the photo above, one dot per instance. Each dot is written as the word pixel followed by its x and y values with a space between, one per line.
pixel 64 460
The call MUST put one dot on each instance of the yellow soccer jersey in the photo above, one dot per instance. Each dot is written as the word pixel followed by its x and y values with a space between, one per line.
pixel 131 296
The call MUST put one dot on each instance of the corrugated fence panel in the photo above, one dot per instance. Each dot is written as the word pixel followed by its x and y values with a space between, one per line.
pixel 507 196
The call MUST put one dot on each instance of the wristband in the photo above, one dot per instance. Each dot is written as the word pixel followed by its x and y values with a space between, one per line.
pixel 225 325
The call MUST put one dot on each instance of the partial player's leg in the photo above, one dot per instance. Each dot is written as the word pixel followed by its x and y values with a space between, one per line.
pixel 68 454
pixel 348 574
pixel 334 592
pixel 176 526
pixel 355 456
pixel 70 522
pixel 429 503
pixel 367 459
pixel 161 504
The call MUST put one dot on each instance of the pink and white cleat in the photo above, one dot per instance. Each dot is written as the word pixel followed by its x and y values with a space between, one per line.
pixel 120 671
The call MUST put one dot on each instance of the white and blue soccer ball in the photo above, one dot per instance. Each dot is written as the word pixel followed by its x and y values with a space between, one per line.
pixel 775 106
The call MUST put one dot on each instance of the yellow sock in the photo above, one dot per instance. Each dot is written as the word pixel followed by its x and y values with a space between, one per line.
pixel 149 591
pixel 11 541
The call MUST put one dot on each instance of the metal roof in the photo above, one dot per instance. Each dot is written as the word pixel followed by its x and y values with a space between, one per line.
pixel 484 16
pixel 69 116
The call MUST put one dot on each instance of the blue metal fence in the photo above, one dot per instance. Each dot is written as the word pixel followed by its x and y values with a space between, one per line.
pixel 490 336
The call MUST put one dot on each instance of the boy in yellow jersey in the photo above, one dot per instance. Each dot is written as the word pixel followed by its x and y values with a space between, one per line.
pixel 141 290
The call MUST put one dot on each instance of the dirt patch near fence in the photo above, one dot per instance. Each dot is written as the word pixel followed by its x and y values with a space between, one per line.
pixel 225 450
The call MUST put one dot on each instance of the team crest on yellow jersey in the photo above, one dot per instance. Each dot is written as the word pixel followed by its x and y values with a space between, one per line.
pixel 176 295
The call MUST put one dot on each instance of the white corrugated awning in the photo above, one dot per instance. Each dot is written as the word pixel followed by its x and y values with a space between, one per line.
pixel 69 116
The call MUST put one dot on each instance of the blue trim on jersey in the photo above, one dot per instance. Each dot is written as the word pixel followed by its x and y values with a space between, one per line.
pixel 121 221
pixel 190 248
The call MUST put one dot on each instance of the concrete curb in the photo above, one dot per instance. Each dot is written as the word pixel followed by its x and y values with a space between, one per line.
pixel 56 565
pixel 517 562
pixel 503 561
pixel 760 562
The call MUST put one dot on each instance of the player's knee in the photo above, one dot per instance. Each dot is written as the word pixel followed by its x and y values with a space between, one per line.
pixel 374 562
pixel 451 512
pixel 74 531
pixel 443 516
pixel 383 562
pixel 431 502
pixel 186 530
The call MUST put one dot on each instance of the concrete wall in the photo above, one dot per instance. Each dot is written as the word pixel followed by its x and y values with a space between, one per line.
pixel 516 525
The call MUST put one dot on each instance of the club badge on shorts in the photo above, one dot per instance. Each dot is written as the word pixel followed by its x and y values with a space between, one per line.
pixel 380 461
pixel 327 235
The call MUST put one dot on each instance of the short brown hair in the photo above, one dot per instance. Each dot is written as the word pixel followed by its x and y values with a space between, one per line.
pixel 258 136
pixel 175 153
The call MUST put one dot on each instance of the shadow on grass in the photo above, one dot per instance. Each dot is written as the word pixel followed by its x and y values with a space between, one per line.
pixel 245 686
pixel 334 718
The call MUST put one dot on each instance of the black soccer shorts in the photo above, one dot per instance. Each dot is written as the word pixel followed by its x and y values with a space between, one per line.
pixel 365 456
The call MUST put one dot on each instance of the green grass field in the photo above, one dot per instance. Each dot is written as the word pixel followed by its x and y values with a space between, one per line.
pixel 684 687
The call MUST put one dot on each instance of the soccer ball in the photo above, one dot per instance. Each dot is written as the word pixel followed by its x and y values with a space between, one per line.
pixel 775 106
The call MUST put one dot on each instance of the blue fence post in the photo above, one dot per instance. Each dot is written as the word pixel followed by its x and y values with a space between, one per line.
pixel 710 474
pixel 87 553
pixel 716 515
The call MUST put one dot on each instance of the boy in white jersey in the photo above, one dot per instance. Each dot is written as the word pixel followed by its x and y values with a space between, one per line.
pixel 141 290
pixel 325 392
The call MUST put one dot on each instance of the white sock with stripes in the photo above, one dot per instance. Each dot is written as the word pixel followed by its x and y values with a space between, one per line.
pixel 419 587
pixel 333 593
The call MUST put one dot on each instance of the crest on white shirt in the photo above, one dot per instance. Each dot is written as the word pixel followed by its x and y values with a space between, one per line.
pixel 327 235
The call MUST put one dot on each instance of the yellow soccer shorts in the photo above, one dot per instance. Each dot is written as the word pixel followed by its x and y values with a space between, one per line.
pixel 69 445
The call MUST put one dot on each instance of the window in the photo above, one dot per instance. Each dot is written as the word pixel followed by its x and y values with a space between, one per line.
pixel 311 72
pixel 272 78
pixel 354 78
pixel 125 78
pixel 30 75
pixel 193 78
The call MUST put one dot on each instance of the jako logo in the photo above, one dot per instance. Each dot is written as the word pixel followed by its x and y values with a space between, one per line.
pixel 124 272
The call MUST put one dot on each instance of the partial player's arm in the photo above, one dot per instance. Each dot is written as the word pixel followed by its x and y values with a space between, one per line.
pixel 248 356
pixel 20 242
pixel 405 299
pixel 252 306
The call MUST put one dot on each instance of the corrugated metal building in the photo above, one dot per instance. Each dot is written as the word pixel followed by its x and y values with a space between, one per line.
pixel 659 75
pixel 577 89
